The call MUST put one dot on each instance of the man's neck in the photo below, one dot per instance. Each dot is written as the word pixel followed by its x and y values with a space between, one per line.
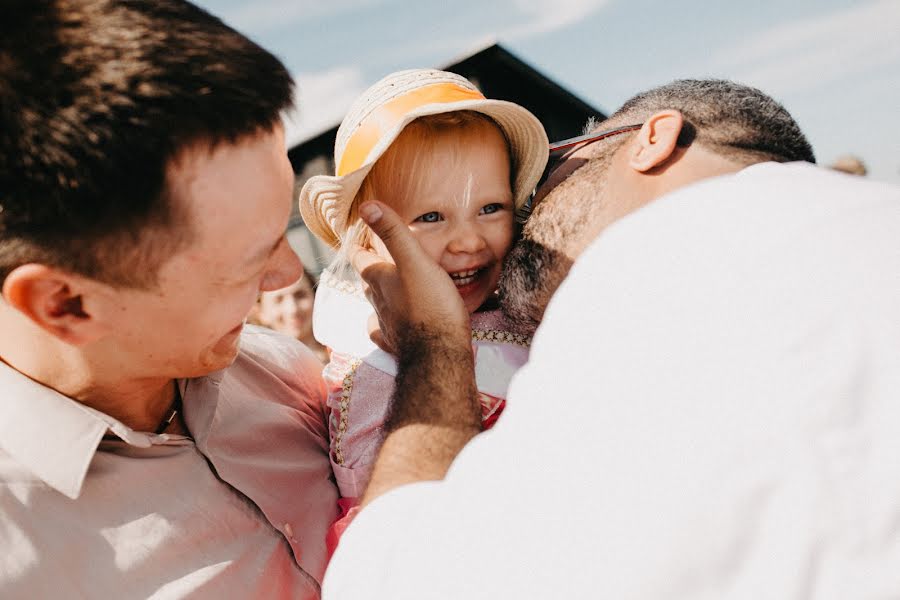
pixel 139 403
pixel 694 166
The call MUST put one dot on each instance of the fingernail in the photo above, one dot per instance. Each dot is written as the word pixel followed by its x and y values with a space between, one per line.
pixel 370 212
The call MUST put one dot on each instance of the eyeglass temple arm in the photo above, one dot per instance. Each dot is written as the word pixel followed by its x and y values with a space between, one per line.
pixel 592 137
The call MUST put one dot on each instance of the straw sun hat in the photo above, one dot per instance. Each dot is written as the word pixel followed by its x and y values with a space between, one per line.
pixel 380 114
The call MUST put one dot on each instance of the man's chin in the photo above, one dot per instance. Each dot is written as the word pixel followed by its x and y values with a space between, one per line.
pixel 224 352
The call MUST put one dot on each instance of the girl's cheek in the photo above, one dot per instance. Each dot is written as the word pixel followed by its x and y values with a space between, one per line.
pixel 432 243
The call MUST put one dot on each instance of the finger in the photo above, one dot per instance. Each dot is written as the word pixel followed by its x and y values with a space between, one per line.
pixel 376 334
pixel 376 279
pixel 395 234
pixel 363 259
pixel 379 340
pixel 373 324
pixel 369 294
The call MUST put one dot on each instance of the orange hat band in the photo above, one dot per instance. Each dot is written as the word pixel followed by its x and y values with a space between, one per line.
pixel 388 115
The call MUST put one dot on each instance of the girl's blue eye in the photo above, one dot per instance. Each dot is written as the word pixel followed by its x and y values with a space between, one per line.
pixel 431 217
pixel 489 209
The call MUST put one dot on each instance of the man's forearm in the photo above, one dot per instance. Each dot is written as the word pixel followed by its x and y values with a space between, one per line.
pixel 434 412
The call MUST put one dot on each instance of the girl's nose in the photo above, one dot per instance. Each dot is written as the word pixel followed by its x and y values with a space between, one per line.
pixel 466 238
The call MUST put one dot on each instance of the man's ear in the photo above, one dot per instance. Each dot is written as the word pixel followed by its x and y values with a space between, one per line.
pixel 657 140
pixel 56 301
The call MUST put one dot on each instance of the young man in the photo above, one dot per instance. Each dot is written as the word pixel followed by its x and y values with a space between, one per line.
pixel 144 195
pixel 709 409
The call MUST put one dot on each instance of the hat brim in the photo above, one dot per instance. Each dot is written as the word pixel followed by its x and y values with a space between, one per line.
pixel 325 200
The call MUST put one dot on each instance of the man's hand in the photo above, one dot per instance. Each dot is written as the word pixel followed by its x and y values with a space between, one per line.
pixel 413 291
pixel 435 411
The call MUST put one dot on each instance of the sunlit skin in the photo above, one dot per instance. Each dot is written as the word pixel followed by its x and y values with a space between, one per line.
pixel 461 211
pixel 564 166
pixel 191 324
pixel 117 349
pixel 239 201
pixel 424 442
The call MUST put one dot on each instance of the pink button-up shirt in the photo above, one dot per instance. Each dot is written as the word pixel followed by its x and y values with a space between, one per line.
pixel 240 511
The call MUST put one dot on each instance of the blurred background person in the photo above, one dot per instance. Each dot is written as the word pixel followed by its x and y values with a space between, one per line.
pixel 849 164
pixel 289 311
pixel 253 315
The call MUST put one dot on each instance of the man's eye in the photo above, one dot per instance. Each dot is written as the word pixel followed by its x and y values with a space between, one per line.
pixel 489 209
pixel 430 217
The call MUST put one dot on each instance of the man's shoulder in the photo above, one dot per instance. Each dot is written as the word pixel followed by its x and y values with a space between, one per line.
pixel 271 370
pixel 768 219
pixel 769 197
pixel 266 343
pixel 267 357
pixel 797 180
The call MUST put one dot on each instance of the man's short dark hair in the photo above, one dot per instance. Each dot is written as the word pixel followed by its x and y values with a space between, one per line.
pixel 97 97
pixel 737 121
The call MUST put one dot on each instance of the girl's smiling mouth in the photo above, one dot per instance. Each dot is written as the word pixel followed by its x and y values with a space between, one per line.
pixel 464 278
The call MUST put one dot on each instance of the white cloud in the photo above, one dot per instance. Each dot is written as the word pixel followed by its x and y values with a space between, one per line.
pixel 522 19
pixel 322 100
pixel 804 55
pixel 543 17
pixel 262 16
pixel 324 97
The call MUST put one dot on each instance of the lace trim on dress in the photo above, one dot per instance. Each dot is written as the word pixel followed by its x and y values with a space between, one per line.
pixel 501 337
pixel 346 389
pixel 351 288
pixel 478 335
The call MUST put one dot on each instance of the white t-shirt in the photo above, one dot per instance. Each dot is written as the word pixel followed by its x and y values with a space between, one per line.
pixel 711 410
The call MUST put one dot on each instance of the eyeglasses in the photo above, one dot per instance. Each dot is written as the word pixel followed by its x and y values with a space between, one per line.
pixel 560 150
pixel 590 138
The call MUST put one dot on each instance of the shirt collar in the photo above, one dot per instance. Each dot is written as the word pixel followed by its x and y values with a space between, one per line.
pixel 52 435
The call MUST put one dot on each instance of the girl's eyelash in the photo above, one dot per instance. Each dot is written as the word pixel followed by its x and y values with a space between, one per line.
pixel 424 218
pixel 493 206
pixel 436 217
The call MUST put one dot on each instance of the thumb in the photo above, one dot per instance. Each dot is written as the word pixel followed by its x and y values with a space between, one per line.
pixel 396 236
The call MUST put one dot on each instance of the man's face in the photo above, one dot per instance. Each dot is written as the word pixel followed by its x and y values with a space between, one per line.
pixel 237 199
pixel 566 217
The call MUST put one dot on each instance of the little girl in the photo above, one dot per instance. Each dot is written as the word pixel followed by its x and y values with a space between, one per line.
pixel 456 167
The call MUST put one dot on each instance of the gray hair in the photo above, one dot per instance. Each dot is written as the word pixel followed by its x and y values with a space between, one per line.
pixel 737 121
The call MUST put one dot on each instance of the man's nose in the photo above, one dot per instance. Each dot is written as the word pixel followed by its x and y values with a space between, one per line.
pixel 284 268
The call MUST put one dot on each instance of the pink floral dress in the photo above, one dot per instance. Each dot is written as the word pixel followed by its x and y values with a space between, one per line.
pixel 360 380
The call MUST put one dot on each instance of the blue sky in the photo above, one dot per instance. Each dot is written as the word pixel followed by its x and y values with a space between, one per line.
pixel 835 64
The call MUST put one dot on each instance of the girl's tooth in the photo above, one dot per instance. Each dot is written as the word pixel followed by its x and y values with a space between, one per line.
pixel 461 275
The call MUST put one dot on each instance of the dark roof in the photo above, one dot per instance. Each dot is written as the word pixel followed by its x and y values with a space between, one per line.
pixel 502 75
pixel 499 74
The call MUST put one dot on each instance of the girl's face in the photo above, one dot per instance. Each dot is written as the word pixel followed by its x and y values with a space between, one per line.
pixel 460 208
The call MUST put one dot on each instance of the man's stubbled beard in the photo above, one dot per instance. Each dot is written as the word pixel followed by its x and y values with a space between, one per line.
pixel 540 261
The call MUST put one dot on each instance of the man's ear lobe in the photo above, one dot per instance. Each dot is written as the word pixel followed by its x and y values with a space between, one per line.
pixel 656 141
pixel 55 301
